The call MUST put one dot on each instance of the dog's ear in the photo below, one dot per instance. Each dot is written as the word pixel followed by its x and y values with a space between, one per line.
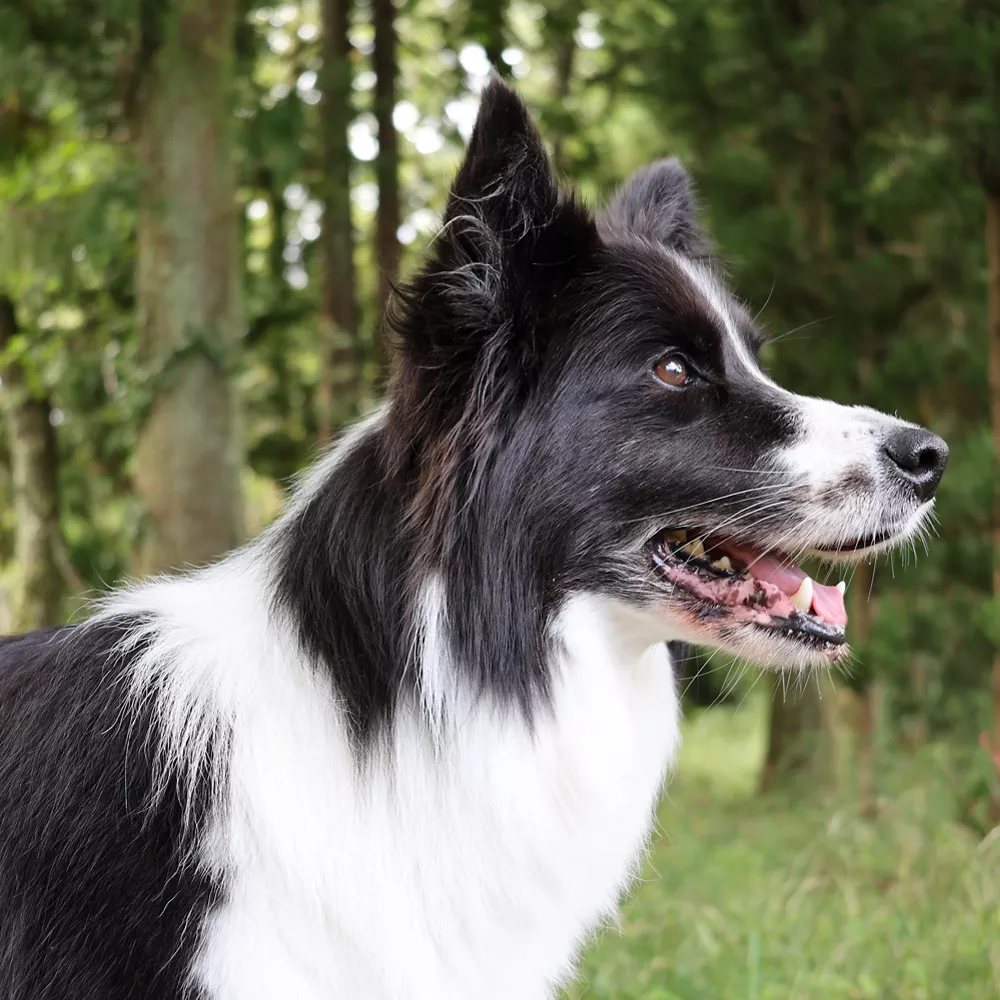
pixel 504 185
pixel 510 239
pixel 657 203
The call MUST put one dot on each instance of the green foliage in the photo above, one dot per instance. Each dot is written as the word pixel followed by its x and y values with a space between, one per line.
pixel 840 151
pixel 803 898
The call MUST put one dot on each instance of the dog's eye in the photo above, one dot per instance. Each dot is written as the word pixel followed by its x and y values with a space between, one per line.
pixel 672 370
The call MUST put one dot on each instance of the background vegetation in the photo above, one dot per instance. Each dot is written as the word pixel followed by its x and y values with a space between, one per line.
pixel 203 207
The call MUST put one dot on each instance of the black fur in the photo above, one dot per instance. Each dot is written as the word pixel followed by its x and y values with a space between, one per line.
pixel 658 203
pixel 528 453
pixel 527 441
pixel 99 899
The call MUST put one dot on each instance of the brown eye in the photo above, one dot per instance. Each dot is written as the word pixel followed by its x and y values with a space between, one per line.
pixel 672 371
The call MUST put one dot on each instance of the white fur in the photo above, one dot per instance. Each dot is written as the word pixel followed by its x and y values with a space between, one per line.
pixel 471 861
pixel 717 298
pixel 833 441
pixel 834 438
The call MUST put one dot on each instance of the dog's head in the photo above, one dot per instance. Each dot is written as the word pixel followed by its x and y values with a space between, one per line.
pixel 583 407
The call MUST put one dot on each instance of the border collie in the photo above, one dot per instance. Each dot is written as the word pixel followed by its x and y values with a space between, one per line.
pixel 408 743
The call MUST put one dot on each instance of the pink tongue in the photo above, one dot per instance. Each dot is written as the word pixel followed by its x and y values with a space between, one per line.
pixel 827 602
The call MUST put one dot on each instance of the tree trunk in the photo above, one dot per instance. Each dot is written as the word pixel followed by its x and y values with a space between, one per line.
pixel 487 24
pixel 864 700
pixel 916 737
pixel 993 265
pixel 386 167
pixel 36 583
pixel 864 730
pixel 800 737
pixel 338 389
pixel 189 452
pixel 559 36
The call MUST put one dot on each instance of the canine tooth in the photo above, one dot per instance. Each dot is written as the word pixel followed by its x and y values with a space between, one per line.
pixel 803 597
pixel 842 586
pixel 723 563
pixel 696 549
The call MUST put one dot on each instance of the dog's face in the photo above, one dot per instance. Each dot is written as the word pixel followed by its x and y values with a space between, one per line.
pixel 597 418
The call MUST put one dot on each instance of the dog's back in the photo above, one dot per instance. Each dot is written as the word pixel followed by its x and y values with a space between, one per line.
pixel 99 897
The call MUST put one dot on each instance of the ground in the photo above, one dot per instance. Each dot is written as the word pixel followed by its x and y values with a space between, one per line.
pixel 799 897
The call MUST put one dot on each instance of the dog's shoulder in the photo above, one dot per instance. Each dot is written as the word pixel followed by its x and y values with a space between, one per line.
pixel 95 891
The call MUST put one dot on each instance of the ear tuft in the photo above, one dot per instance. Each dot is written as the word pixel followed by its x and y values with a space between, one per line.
pixel 657 203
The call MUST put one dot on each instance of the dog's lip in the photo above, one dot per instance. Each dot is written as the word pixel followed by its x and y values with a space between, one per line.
pixel 741 599
pixel 761 589
pixel 854 547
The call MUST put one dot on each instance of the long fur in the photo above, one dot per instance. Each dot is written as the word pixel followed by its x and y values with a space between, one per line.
pixel 407 745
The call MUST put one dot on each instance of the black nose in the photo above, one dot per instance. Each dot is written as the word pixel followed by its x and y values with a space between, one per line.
pixel 919 457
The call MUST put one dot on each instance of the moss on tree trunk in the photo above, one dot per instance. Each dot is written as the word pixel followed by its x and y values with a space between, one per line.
pixel 189 450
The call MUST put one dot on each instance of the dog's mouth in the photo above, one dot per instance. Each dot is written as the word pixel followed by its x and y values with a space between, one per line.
pixel 727 581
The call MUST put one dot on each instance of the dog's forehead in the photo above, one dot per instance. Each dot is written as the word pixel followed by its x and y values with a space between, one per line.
pixel 700 301
pixel 650 287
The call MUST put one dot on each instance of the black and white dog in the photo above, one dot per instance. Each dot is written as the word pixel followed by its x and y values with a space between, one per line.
pixel 407 745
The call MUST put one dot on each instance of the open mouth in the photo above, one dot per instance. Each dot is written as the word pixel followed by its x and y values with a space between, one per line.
pixel 728 578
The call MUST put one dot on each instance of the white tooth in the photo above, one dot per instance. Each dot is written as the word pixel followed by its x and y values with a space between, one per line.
pixel 723 563
pixel 842 586
pixel 803 597
pixel 695 549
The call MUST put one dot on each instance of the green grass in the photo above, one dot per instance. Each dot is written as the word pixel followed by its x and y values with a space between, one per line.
pixel 796 898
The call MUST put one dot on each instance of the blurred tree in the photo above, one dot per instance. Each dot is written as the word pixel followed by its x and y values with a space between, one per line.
pixel 340 358
pixel 37 587
pixel 188 453
pixel 558 33
pixel 488 26
pixel 387 220
pixel 963 55
pixel 798 740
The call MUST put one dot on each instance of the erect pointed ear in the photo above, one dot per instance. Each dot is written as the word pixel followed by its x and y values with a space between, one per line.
pixel 510 237
pixel 657 203
pixel 505 181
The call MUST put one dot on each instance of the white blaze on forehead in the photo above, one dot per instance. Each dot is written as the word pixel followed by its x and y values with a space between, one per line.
pixel 715 298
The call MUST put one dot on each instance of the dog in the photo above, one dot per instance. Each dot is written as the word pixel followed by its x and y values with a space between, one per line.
pixel 408 743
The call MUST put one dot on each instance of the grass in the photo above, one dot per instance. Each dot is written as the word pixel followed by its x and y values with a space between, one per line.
pixel 798 898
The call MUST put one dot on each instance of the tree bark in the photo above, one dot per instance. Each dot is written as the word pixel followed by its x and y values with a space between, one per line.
pixel 993 285
pixel 338 388
pixel 36 582
pixel 387 251
pixel 188 455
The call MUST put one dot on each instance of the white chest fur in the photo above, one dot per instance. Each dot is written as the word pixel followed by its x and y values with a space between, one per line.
pixel 472 865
